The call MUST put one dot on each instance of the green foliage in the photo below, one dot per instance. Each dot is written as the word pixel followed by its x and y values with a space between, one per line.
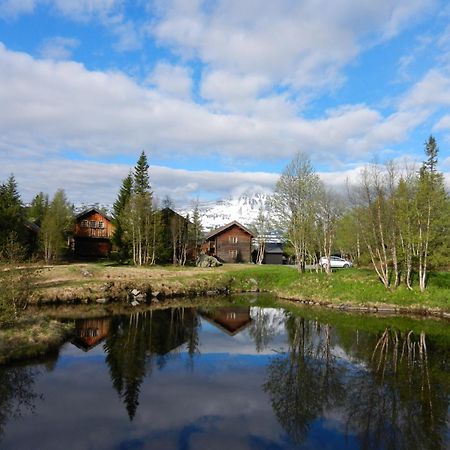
pixel 119 207
pixel 38 208
pixel 12 215
pixel 295 206
pixel 16 285
pixel 141 179
pixel 57 223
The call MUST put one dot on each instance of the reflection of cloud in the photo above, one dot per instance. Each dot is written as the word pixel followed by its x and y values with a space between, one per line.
pixel 84 412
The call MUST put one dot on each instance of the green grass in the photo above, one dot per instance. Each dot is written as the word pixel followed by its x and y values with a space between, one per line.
pixel 355 286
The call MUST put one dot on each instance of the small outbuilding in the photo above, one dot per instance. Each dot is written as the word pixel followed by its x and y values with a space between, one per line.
pixel 231 243
pixel 274 254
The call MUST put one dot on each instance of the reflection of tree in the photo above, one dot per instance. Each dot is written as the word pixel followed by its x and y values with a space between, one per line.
pixel 262 328
pixel 305 381
pixel 138 342
pixel 16 393
pixel 393 401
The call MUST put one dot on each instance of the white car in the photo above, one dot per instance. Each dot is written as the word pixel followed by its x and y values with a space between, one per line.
pixel 335 262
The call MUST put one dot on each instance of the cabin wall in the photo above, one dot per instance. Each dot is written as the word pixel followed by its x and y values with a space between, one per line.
pixel 93 234
pixel 94 225
pixel 273 258
pixel 229 251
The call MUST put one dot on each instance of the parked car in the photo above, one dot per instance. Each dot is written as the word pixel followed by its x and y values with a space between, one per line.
pixel 335 262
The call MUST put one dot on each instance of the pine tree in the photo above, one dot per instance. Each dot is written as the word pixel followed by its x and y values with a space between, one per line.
pixel 12 215
pixel 38 208
pixel 431 204
pixel 139 217
pixel 141 178
pixel 431 150
pixel 119 207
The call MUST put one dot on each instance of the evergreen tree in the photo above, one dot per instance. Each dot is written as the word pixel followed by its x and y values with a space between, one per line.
pixel 141 178
pixel 139 217
pixel 38 208
pixel 431 151
pixel 119 208
pixel 12 216
pixel 432 204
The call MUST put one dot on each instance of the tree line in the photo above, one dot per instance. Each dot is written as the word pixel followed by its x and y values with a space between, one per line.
pixel 394 218
pixel 144 232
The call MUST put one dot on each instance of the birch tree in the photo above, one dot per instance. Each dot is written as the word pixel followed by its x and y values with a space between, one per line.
pixel 294 205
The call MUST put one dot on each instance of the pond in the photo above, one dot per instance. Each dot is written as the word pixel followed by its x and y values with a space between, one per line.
pixel 236 376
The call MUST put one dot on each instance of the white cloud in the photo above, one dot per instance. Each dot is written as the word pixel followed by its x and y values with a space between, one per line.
pixel 443 123
pixel 50 106
pixel 431 91
pixel 13 8
pixel 172 80
pixel 58 47
pixel 85 9
pixel 298 43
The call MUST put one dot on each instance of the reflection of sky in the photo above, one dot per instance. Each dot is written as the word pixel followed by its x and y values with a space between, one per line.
pixel 215 401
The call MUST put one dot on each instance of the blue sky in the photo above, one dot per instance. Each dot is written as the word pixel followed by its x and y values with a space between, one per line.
pixel 220 94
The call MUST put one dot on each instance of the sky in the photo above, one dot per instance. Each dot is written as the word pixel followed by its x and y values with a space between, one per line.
pixel 220 94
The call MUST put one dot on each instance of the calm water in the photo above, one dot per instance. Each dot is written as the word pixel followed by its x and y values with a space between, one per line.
pixel 234 377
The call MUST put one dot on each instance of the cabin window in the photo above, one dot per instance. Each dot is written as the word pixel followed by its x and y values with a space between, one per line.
pixel 233 239
pixel 93 224
pixel 101 224
pixel 84 224
pixel 233 253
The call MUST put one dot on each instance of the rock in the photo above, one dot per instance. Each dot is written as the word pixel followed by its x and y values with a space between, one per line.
pixel 207 261
pixel 134 303
pixel 135 292
pixel 102 300
pixel 86 273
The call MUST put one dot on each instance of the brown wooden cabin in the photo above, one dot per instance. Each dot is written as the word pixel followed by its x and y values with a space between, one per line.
pixel 90 332
pixel 230 243
pixel 93 232
pixel 230 320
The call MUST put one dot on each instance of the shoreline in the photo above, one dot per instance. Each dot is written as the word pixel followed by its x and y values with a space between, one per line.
pixel 136 289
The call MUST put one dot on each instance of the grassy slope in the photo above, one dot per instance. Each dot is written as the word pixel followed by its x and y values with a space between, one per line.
pixel 356 286
pixel 350 286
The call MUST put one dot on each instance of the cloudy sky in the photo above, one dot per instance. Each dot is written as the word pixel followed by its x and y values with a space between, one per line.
pixel 219 93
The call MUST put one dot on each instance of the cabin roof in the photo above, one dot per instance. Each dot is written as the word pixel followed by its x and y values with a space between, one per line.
pixel 91 210
pixel 225 227
pixel 273 248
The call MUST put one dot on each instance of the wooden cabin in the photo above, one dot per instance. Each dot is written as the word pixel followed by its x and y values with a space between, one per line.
pixel 93 232
pixel 230 243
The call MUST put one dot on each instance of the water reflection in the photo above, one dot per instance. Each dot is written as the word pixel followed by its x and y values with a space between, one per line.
pixel 260 377
pixel 139 342
pixel 306 380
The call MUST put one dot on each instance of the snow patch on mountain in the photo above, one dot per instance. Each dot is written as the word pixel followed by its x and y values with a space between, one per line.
pixel 244 209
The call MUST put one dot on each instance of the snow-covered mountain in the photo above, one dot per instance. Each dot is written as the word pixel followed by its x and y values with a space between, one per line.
pixel 243 209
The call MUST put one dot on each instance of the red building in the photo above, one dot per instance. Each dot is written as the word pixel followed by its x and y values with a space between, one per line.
pixel 92 237
pixel 230 243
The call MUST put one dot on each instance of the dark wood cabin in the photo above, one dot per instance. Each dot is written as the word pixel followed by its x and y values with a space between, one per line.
pixel 90 332
pixel 93 232
pixel 230 243
pixel 230 320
